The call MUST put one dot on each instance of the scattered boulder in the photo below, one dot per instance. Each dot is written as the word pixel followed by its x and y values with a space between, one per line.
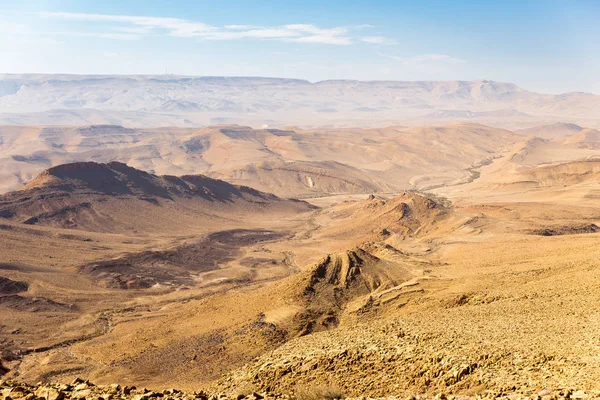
pixel 8 286
pixel 52 391
pixel 49 393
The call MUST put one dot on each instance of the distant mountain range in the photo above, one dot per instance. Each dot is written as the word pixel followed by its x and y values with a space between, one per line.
pixel 165 100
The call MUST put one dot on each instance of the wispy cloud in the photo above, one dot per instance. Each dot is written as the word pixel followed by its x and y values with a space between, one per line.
pixel 126 27
pixel 377 40
pixel 174 26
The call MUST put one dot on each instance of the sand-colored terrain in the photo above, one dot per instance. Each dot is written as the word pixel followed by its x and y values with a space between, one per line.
pixel 289 163
pixel 483 283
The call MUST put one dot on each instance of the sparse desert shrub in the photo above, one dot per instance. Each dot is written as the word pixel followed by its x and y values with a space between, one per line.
pixel 319 392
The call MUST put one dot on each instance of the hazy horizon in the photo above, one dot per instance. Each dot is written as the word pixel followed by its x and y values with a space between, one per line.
pixel 431 41
pixel 279 77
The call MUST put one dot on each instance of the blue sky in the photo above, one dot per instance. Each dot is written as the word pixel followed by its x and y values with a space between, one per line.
pixel 546 46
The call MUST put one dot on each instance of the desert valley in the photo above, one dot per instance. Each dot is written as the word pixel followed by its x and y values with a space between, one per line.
pixel 285 200
pixel 454 259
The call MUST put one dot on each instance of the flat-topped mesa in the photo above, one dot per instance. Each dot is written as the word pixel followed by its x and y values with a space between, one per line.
pixel 70 169
pixel 101 196
pixel 66 169
pixel 119 178
pixel 51 175
pixel 83 174
pixel 103 129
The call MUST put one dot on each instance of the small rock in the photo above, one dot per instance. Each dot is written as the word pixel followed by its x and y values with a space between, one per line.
pixel 115 386
pixel 545 392
pixel 81 394
pixel 127 390
pixel 580 394
pixel 17 389
pixel 49 393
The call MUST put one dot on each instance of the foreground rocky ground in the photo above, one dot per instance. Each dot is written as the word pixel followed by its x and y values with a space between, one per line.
pixel 82 389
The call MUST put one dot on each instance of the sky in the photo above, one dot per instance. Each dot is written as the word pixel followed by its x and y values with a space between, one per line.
pixel 547 46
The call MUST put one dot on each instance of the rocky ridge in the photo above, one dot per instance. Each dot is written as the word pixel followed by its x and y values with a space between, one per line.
pixel 397 358
pixel 82 390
